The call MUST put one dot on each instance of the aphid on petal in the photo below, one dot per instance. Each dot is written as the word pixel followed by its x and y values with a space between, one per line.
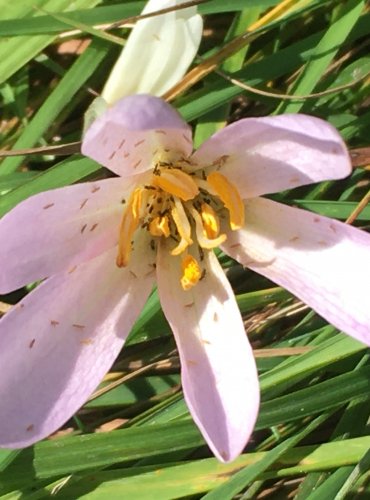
pixel 208 197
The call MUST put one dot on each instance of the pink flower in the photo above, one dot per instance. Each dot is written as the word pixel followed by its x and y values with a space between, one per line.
pixel 103 244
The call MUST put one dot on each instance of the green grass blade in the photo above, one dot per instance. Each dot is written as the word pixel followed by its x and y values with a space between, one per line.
pixel 246 476
pixel 71 83
pixel 324 53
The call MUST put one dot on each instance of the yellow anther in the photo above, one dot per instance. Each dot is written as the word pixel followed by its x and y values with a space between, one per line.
pixel 129 224
pixel 183 227
pixel 191 272
pixel 159 227
pixel 211 222
pixel 203 240
pixel 230 197
pixel 176 182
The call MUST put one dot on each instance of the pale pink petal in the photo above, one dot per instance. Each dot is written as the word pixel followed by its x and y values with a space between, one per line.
pixel 268 155
pixel 219 375
pixel 58 343
pixel 323 262
pixel 157 53
pixel 58 229
pixel 129 137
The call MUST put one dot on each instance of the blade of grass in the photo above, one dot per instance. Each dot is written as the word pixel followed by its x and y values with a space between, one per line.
pixel 195 477
pixel 15 52
pixel 73 80
pixel 246 476
pixel 324 53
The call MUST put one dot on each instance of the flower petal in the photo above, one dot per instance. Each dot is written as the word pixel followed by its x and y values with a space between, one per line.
pixel 268 155
pixel 56 230
pixel 323 262
pixel 58 343
pixel 219 375
pixel 157 53
pixel 130 137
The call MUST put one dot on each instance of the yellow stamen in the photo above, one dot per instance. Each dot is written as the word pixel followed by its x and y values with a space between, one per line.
pixel 183 227
pixel 191 272
pixel 129 224
pixel 201 233
pixel 159 227
pixel 211 222
pixel 177 183
pixel 230 197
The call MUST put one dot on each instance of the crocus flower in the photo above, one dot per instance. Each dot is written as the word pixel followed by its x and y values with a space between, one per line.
pixel 155 57
pixel 157 53
pixel 103 244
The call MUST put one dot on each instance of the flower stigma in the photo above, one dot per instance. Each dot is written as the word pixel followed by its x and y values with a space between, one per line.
pixel 187 208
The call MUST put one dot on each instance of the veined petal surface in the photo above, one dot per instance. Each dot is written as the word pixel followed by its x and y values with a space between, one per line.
pixel 55 230
pixel 131 135
pixel 219 375
pixel 157 53
pixel 323 262
pixel 271 154
pixel 58 343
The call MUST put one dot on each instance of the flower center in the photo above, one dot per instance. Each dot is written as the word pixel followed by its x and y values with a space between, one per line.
pixel 187 208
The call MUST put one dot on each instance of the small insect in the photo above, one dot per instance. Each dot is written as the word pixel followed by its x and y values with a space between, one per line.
pixel 201 252
pixel 156 170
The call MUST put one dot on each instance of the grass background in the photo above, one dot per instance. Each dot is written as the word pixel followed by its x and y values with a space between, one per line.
pixel 135 438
